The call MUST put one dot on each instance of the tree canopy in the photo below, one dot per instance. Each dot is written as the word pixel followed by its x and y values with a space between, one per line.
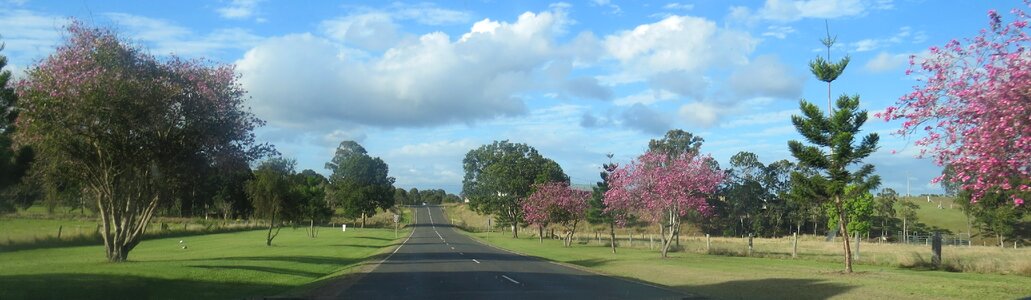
pixel 499 176
pixel 122 123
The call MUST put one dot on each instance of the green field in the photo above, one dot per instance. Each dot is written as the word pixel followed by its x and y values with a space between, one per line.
pixel 214 266
pixel 725 277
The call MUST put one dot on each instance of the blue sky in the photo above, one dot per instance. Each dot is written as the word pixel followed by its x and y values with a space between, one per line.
pixel 421 83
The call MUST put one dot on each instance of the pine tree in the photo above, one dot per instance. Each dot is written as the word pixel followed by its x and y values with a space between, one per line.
pixel 596 213
pixel 14 162
pixel 838 132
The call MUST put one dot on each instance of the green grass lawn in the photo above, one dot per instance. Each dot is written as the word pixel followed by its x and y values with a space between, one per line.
pixel 214 266
pixel 725 277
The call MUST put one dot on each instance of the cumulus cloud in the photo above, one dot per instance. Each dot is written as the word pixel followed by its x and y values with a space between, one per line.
pixel 432 81
pixel 701 113
pixel 370 31
pixel 645 97
pixel 778 31
pixel 677 44
pixel 766 76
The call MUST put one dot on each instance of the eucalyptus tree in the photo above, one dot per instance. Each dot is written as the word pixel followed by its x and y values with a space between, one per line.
pixel 499 176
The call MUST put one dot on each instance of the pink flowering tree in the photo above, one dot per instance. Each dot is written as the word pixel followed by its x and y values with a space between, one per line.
pixel 973 108
pixel 126 127
pixel 663 189
pixel 556 203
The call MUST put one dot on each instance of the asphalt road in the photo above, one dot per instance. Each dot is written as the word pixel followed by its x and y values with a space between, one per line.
pixel 438 263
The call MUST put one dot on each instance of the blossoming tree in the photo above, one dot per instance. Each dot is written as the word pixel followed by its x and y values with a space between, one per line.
pixel 974 108
pixel 663 189
pixel 556 203
pixel 123 122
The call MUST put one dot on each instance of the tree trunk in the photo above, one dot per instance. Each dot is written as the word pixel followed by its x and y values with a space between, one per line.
pixel 846 244
pixel 540 234
pixel 515 231
pixel 612 236
pixel 311 228
pixel 271 224
pixel 363 220
pixel 673 228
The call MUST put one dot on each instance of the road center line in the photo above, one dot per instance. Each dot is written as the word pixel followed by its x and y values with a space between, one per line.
pixel 510 279
pixel 460 253
pixel 476 260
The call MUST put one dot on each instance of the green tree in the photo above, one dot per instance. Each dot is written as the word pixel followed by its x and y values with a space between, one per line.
pixel 122 123
pixel 995 213
pixel 859 208
pixel 500 175
pixel 360 183
pixel 273 195
pixel 310 188
pixel 401 197
pixel 884 208
pixel 596 213
pixel 413 195
pixel 14 161
pixel 676 142
pixel 838 133
pixel 907 209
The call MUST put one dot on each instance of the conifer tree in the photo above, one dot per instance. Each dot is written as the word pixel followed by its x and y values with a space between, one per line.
pixel 837 132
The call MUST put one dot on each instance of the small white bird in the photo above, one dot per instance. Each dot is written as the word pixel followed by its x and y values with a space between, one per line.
pixel 180 241
pixel 184 247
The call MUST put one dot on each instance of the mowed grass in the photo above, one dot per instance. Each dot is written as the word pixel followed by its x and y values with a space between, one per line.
pixel 214 266
pixel 726 277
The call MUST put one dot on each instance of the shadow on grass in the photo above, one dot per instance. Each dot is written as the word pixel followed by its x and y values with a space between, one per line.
pixel 100 286
pixel 590 263
pixel 774 288
pixel 262 269
pixel 289 259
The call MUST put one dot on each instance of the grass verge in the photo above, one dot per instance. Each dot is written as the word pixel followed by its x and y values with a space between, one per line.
pixel 724 277
pixel 214 266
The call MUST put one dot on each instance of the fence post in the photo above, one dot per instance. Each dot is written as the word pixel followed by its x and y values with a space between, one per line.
pixel 936 250
pixel 707 244
pixel 794 245
pixel 749 244
pixel 631 238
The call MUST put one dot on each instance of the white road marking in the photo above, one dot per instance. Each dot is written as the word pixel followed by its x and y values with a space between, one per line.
pixel 476 260
pixel 510 279
pixel 431 215
pixel 460 253
pixel 452 248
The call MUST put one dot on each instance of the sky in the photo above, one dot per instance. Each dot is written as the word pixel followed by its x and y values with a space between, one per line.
pixel 419 84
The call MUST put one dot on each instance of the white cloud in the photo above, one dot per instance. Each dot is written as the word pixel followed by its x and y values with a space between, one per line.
pixel 676 44
pixel 613 8
pixel 765 76
pixel 307 81
pixel 904 35
pixel 885 61
pixel 701 113
pixel 165 37
pixel 429 14
pixel 28 34
pixel 794 10
pixel 239 9
pixel 436 149
pixel 678 6
pixel 645 97
pixel 764 118
pixel 371 31
pixel 778 31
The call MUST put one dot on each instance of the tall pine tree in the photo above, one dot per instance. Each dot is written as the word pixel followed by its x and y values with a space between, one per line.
pixel 837 132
